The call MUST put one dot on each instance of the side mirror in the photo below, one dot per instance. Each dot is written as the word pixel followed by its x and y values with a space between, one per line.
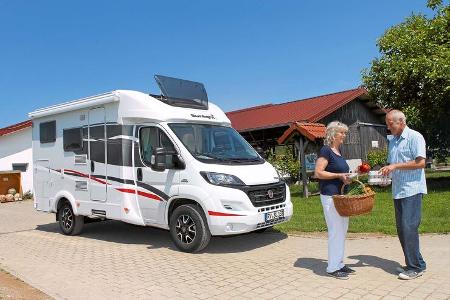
pixel 179 162
pixel 158 159
pixel 261 152
pixel 159 162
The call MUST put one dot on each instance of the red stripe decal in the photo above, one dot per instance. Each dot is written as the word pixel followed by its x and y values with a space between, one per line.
pixel 216 213
pixel 87 176
pixel 75 172
pixel 148 195
pixel 131 191
pixel 98 180
pixel 140 193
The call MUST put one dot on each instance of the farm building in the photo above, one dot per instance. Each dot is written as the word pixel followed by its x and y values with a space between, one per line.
pixel 264 125
pixel 16 163
pixel 302 123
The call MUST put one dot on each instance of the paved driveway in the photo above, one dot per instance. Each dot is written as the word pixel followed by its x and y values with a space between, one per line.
pixel 112 260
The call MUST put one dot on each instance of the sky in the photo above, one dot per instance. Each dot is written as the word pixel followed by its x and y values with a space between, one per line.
pixel 245 52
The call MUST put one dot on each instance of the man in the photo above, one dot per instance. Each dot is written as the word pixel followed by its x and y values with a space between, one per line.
pixel 406 160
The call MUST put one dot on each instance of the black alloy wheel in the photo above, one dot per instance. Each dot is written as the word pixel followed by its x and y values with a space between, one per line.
pixel 189 229
pixel 69 223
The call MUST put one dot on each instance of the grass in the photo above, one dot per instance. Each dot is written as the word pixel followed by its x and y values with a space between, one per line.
pixel 437 174
pixel 308 215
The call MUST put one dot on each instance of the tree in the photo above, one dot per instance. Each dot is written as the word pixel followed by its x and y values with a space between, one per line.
pixel 413 73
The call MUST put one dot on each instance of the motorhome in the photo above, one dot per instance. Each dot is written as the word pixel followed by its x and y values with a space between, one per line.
pixel 171 161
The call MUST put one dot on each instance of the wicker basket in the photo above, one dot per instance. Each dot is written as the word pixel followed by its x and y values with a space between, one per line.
pixel 354 205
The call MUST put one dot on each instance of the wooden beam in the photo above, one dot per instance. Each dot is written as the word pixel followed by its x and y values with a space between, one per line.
pixel 301 144
pixel 304 176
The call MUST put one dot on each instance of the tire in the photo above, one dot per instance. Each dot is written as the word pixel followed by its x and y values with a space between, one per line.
pixel 188 228
pixel 69 223
pixel 261 230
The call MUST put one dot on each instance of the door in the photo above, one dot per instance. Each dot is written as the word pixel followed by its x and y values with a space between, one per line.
pixel 97 154
pixel 156 185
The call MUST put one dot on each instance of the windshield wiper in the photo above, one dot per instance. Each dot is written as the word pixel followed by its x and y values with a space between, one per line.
pixel 227 159
pixel 209 155
pixel 244 159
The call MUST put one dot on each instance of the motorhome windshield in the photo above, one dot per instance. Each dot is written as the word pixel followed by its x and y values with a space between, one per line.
pixel 216 144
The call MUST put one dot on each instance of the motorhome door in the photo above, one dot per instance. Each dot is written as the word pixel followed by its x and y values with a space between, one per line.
pixel 97 154
pixel 159 184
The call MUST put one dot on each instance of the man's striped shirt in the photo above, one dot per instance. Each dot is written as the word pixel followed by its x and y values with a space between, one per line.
pixel 406 147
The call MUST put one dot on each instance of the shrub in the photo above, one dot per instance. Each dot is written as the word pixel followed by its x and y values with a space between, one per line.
pixel 27 195
pixel 377 157
pixel 285 163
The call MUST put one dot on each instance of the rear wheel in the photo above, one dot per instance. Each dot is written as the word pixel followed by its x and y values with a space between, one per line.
pixel 69 223
pixel 189 229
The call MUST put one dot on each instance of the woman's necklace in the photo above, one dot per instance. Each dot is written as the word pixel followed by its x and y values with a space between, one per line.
pixel 335 150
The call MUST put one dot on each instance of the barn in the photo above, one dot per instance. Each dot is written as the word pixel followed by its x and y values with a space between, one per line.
pixel 302 123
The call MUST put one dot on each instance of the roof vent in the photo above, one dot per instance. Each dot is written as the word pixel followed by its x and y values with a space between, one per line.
pixel 183 93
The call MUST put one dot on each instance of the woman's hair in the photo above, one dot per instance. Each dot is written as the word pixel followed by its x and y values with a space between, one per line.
pixel 332 129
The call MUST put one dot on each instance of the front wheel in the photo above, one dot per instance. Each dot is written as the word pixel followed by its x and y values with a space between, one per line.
pixel 188 228
pixel 69 223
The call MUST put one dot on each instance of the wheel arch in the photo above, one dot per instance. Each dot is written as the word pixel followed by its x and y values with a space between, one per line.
pixel 62 197
pixel 174 203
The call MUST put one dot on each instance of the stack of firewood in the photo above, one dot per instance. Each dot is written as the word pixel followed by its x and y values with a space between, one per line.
pixel 11 196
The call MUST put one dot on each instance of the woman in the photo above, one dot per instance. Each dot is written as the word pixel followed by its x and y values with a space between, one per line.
pixel 333 171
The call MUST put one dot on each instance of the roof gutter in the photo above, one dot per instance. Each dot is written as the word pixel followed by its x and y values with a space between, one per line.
pixel 77 104
pixel 266 127
pixel 370 124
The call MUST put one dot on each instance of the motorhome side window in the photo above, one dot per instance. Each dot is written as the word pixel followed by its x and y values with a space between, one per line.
pixel 47 132
pixel 72 139
pixel 151 138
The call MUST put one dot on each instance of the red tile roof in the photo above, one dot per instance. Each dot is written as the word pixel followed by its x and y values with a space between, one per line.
pixel 311 131
pixel 15 127
pixel 307 110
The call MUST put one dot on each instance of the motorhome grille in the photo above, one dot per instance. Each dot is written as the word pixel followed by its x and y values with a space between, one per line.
pixel 263 195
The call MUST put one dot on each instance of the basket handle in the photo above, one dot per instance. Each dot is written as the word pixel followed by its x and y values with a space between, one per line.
pixel 355 180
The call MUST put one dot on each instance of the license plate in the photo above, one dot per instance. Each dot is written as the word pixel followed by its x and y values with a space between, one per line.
pixel 274 215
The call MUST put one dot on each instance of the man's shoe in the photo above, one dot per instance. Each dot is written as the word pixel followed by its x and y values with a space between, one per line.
pixel 405 268
pixel 410 274
pixel 347 270
pixel 339 275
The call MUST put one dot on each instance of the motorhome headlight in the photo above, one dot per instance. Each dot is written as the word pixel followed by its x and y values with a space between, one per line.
pixel 221 179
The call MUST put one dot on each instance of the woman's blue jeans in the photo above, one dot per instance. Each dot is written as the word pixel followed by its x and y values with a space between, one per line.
pixel 408 213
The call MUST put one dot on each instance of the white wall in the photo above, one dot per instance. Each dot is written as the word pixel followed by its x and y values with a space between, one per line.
pixel 16 148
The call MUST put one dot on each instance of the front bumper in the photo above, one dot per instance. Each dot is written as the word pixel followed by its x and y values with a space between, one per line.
pixel 236 222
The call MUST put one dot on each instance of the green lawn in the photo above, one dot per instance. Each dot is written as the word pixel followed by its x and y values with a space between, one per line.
pixel 308 215
pixel 437 174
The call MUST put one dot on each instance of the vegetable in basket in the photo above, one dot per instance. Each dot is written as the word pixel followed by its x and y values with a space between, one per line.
pixel 358 189
pixel 364 168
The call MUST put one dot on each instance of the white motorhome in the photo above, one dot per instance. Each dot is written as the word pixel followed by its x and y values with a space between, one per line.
pixel 171 161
